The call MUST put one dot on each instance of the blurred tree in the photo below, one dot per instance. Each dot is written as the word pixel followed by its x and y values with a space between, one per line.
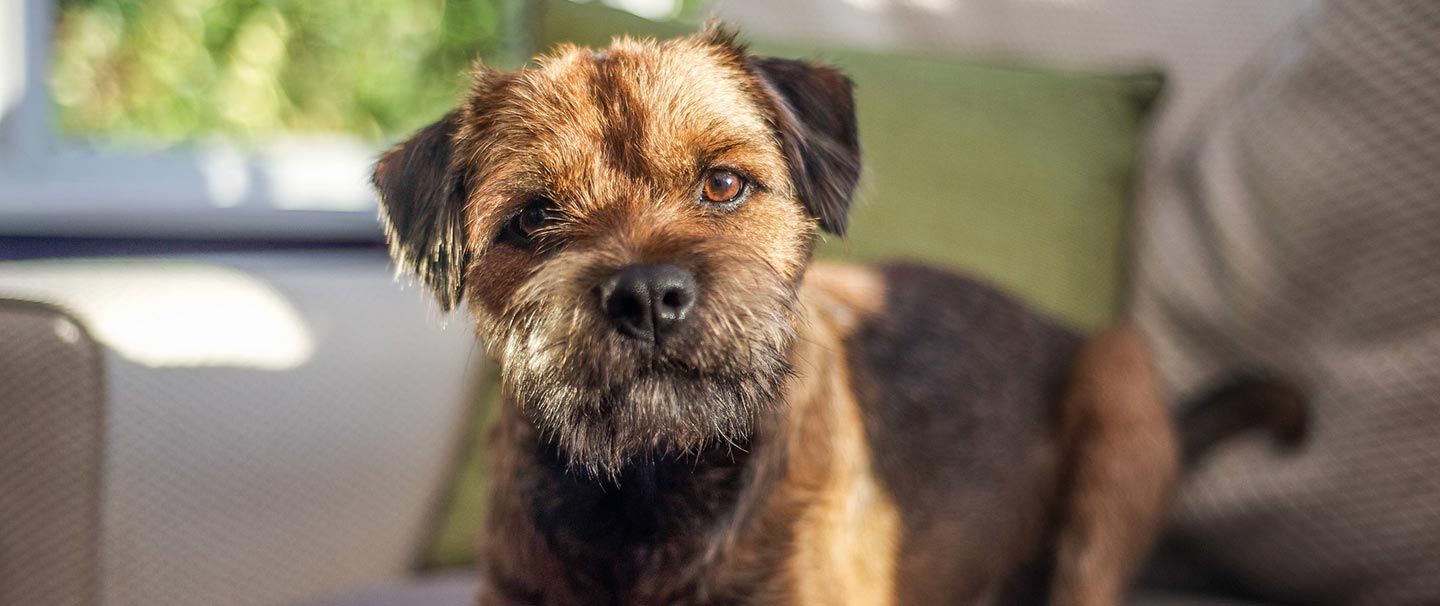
pixel 160 72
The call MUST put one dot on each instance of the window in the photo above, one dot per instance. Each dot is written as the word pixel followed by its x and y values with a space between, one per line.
pixel 222 118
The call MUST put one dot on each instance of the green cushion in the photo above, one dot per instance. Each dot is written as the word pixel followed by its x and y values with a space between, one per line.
pixel 1021 176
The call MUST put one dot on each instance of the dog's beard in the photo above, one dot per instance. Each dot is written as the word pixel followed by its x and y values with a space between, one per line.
pixel 606 401
pixel 655 416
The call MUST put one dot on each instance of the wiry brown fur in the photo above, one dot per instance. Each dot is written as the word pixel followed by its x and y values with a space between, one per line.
pixel 810 434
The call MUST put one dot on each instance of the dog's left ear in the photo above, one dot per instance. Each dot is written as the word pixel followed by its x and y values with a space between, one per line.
pixel 816 122
pixel 421 197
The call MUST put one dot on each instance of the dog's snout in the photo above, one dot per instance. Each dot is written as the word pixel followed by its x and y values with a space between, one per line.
pixel 648 301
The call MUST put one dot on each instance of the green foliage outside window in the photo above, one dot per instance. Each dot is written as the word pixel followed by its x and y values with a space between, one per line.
pixel 159 72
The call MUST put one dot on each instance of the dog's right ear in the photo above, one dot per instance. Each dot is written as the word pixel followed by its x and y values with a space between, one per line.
pixel 816 122
pixel 421 197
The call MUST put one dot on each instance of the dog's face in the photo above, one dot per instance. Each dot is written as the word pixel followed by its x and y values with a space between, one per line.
pixel 630 227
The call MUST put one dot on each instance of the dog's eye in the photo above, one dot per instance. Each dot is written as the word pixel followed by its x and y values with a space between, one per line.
pixel 722 186
pixel 521 228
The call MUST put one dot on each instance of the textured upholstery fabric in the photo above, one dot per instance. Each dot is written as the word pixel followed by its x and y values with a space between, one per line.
pixel 1301 233
pixel 276 426
pixel 443 589
pixel 459 589
pixel 51 388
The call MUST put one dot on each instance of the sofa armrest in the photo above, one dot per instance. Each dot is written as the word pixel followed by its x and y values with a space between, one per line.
pixel 50 453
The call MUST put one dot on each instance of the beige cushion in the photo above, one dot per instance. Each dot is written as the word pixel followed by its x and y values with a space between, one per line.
pixel 1301 233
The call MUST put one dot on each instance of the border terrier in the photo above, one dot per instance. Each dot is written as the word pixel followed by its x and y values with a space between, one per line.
pixel 695 413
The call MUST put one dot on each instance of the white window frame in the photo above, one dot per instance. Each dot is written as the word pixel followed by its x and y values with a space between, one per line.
pixel 311 189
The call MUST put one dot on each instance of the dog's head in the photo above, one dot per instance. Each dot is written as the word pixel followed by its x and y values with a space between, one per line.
pixel 630 227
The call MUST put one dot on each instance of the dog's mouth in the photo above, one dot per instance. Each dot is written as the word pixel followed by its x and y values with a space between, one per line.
pixel 676 364
pixel 666 359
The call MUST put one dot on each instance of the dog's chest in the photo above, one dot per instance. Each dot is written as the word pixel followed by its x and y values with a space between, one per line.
pixel 652 536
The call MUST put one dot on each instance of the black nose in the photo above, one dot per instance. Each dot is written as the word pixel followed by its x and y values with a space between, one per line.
pixel 648 301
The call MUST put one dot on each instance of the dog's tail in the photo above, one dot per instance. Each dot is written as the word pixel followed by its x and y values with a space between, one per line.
pixel 1244 403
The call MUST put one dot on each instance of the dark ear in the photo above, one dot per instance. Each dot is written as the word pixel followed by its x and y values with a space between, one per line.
pixel 420 201
pixel 816 119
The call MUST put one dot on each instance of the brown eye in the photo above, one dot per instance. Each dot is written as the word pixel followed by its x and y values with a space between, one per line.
pixel 521 228
pixel 722 186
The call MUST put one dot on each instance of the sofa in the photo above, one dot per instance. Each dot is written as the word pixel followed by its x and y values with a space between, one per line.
pixel 272 424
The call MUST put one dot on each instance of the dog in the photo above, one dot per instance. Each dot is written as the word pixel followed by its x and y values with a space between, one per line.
pixel 694 412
